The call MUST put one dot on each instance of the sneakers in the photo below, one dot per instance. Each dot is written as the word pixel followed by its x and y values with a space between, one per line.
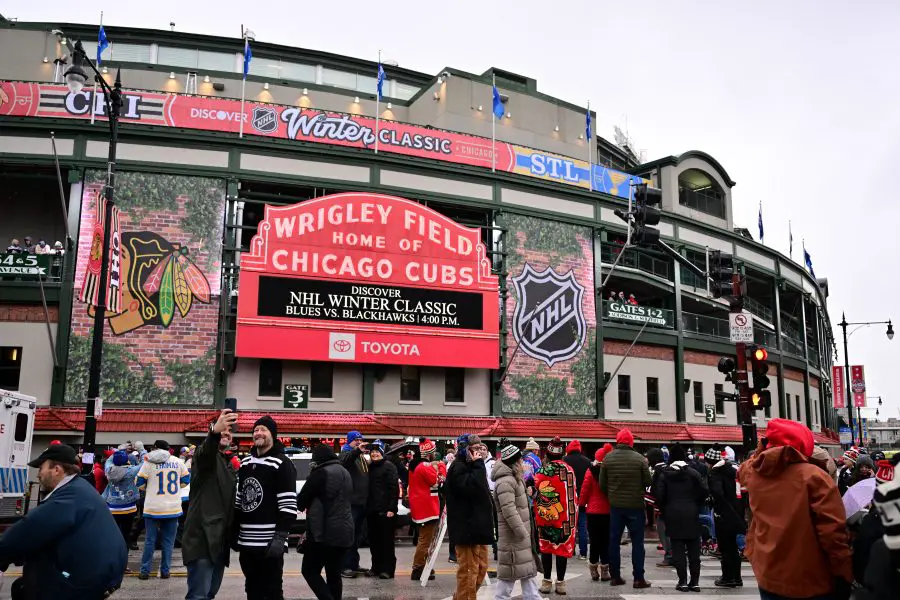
pixel 560 588
pixel 385 576
pixel 617 581
pixel 348 574
pixel 582 557
pixel 640 584
pixel 546 586
pixel 594 568
pixel 728 583
pixel 164 575
pixel 452 559
pixel 682 587
pixel 604 573
pixel 144 576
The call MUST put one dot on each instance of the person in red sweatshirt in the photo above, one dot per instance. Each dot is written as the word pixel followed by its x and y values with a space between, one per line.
pixel 425 477
pixel 597 508
pixel 100 480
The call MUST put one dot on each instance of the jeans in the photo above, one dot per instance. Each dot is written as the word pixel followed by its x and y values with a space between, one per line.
pixel 706 517
pixel 351 558
pixel 165 529
pixel 633 520
pixel 582 533
pixel 664 539
pixel 598 527
pixel 529 589
pixel 317 557
pixel 691 548
pixel 204 577
pixel 547 567
pixel 473 562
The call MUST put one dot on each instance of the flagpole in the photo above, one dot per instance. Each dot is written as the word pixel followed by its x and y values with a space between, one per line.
pixel 590 150
pixel 377 105
pixel 94 97
pixel 790 241
pixel 243 89
pixel 493 126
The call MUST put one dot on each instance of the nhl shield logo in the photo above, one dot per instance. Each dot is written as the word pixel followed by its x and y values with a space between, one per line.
pixel 548 323
pixel 265 119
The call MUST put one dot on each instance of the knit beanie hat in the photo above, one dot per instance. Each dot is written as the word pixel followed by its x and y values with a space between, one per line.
pixel 625 437
pixel 713 456
pixel 821 458
pixel 783 432
pixel 510 454
pixel 607 447
pixel 728 453
pixel 532 445
pixel 655 456
pixel 120 458
pixel 574 446
pixel 885 472
pixel 269 423
pixel 427 448
pixel 600 454
pixel 850 456
pixel 353 436
pixel 865 461
pixel 378 446
pixel 555 448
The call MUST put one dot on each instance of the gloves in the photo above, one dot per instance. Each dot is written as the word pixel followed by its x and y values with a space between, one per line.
pixel 276 547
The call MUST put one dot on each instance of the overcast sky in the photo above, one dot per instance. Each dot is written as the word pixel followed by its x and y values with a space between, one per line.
pixel 797 100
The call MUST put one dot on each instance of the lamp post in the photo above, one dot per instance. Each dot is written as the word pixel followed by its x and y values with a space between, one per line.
pixel 844 324
pixel 76 77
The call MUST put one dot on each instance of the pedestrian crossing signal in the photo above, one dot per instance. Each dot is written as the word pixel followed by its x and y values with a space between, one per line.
pixel 761 400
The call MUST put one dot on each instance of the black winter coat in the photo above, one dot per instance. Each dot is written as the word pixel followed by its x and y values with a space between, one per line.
pixel 326 499
pixel 882 578
pixel 358 467
pixel 211 509
pixel 384 487
pixel 470 510
pixel 580 464
pixel 726 506
pixel 680 494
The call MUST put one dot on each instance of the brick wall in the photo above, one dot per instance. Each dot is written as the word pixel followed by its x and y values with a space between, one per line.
pixel 29 313
pixel 793 374
pixel 639 351
pixel 813 382
pixel 187 339
pixel 702 358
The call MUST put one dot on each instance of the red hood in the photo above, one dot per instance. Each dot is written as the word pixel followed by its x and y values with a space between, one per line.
pixel 772 462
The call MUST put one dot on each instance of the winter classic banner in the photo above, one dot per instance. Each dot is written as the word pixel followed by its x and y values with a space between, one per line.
pixel 21 99
pixel 858 386
pixel 839 392
pixel 367 278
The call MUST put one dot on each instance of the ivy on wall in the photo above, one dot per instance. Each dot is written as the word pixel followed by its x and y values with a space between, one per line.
pixel 553 238
pixel 584 373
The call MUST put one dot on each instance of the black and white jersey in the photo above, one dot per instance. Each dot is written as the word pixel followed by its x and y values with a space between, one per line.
pixel 266 498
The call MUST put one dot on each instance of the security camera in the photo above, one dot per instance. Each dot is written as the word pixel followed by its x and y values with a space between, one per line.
pixel 445 75
pixel 57 32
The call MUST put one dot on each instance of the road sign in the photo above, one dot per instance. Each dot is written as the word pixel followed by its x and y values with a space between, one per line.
pixel 296 395
pixel 710 410
pixel 741 326
pixel 846 435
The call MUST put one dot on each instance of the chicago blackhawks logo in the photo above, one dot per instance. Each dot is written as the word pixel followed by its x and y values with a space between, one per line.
pixel 251 494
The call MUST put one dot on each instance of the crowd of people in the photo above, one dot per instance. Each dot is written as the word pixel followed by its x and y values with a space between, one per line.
pixel 622 299
pixel 783 504
pixel 29 247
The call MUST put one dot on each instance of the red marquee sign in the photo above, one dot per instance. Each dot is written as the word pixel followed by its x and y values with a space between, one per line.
pixel 368 278
pixel 20 99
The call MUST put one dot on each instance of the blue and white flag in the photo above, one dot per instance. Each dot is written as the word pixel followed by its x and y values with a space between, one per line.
pixel 587 124
pixel 808 260
pixel 498 104
pixel 760 223
pixel 102 43
pixel 248 56
pixel 381 79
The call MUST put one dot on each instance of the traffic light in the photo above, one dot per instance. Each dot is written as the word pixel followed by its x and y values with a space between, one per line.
pixel 727 367
pixel 760 397
pixel 646 215
pixel 721 271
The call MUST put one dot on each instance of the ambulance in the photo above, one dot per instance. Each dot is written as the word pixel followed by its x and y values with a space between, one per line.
pixel 16 428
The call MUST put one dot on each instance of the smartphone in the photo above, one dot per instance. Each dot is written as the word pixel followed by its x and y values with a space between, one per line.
pixel 231 404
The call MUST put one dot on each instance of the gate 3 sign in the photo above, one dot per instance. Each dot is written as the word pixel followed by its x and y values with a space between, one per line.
pixel 368 278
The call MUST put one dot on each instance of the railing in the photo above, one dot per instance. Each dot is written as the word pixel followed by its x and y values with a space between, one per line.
pixel 759 309
pixel 22 267
pixel 765 338
pixel 623 312
pixel 705 325
pixel 636 260
pixel 689 278
pixel 814 358
pixel 792 345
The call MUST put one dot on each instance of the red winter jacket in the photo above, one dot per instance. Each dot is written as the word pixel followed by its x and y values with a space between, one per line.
pixel 591 495
pixel 424 504
pixel 99 478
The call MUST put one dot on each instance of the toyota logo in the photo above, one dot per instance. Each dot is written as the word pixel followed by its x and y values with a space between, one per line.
pixel 341 346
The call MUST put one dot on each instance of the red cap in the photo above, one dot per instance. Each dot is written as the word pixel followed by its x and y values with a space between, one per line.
pixel 885 471
pixel 782 432
pixel 625 437
pixel 574 446
pixel 55 443
pixel 427 447
pixel 600 454
pixel 607 447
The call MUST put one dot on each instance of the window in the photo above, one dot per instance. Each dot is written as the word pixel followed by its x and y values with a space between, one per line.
pixel 404 91
pixel 699 191
pixel 341 79
pixel 10 367
pixel 269 377
pixel 180 57
pixel 625 392
pixel 720 404
pixel 652 393
pixel 321 380
pixel 698 397
pixel 454 386
pixel 298 72
pixel 21 427
pixel 409 384
pixel 787 405
pixel 216 61
pixel 799 414
pixel 134 53
pixel 266 67
pixel 368 85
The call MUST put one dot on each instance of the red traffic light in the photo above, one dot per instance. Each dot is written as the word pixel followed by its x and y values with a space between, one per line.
pixel 760 354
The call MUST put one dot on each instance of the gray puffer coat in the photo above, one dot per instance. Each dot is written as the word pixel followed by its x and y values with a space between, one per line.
pixel 514 550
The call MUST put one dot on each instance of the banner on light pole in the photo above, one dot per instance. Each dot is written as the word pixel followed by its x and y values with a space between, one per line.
pixel 858 386
pixel 839 393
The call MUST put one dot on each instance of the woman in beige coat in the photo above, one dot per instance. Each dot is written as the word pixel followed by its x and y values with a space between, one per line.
pixel 515 554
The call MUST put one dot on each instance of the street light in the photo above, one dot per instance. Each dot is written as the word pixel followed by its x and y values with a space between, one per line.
pixel 76 77
pixel 844 324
